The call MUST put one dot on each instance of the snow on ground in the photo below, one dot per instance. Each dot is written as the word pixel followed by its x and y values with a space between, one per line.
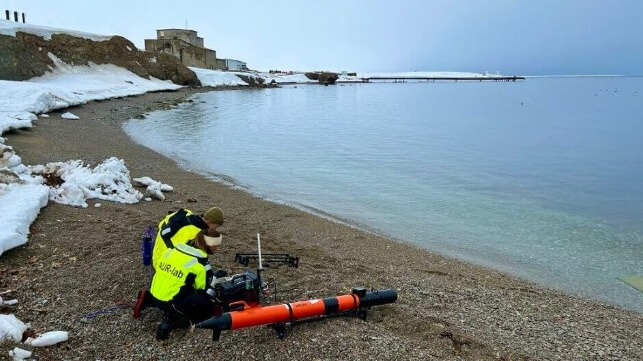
pixel 217 77
pixel 298 78
pixel 154 188
pixel 70 115
pixel 67 86
pixel 414 74
pixel 11 28
pixel 63 87
pixel 19 206
pixel 20 101
pixel 424 74
pixel 108 181
pixel 11 328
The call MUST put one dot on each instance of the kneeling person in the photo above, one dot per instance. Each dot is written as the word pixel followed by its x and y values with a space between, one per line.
pixel 181 284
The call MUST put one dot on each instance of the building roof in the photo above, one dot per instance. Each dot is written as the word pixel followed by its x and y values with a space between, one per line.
pixel 238 61
pixel 193 31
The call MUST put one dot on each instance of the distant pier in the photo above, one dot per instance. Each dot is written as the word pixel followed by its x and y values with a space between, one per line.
pixel 402 79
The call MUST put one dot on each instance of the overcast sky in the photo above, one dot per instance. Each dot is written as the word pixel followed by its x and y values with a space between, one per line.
pixel 532 37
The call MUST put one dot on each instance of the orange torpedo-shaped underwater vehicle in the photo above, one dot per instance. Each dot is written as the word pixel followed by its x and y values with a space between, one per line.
pixel 250 312
pixel 288 314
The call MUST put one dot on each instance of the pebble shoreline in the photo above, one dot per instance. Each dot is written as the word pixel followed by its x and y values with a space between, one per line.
pixel 79 261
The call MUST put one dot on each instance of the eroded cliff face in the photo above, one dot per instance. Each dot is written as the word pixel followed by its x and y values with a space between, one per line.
pixel 26 56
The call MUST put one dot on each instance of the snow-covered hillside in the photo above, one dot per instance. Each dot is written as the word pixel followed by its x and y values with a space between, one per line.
pixel 11 28
pixel 68 86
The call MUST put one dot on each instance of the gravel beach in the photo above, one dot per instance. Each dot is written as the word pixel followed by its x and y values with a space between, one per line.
pixel 80 261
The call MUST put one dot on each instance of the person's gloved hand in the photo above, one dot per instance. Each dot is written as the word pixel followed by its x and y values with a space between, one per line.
pixel 220 273
pixel 265 291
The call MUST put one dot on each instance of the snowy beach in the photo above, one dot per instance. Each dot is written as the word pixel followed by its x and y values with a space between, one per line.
pixel 80 261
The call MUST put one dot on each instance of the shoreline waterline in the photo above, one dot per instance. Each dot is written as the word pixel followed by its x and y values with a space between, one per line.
pixel 489 312
pixel 503 265
pixel 500 261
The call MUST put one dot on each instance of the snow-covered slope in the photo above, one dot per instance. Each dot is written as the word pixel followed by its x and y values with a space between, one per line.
pixel 67 86
pixel 298 78
pixel 216 78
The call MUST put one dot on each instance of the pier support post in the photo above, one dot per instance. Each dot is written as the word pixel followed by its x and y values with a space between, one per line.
pixel 23 18
pixel 15 16
pixel 6 12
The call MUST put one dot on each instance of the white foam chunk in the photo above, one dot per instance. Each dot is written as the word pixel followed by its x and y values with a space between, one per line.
pixel 11 328
pixel 19 206
pixel 48 339
pixel 69 115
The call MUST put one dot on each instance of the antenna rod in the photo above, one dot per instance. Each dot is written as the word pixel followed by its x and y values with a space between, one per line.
pixel 260 269
pixel 259 248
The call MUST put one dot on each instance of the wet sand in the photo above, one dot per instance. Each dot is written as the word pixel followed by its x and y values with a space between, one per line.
pixel 79 261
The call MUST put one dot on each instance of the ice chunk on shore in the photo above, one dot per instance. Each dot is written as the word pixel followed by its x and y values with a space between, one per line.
pixel 10 120
pixel 8 303
pixel 154 188
pixel 11 328
pixel 69 115
pixel 18 354
pixel 48 339
pixel 108 181
pixel 19 206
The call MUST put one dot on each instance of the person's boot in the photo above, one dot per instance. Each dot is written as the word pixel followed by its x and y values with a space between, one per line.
pixel 164 328
pixel 143 301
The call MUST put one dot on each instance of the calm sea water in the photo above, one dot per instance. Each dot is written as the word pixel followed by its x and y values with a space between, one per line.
pixel 542 178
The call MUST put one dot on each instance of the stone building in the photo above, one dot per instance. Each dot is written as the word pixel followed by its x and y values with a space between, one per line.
pixel 185 45
pixel 235 65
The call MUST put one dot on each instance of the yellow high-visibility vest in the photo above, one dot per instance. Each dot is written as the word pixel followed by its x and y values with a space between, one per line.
pixel 174 267
pixel 187 229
